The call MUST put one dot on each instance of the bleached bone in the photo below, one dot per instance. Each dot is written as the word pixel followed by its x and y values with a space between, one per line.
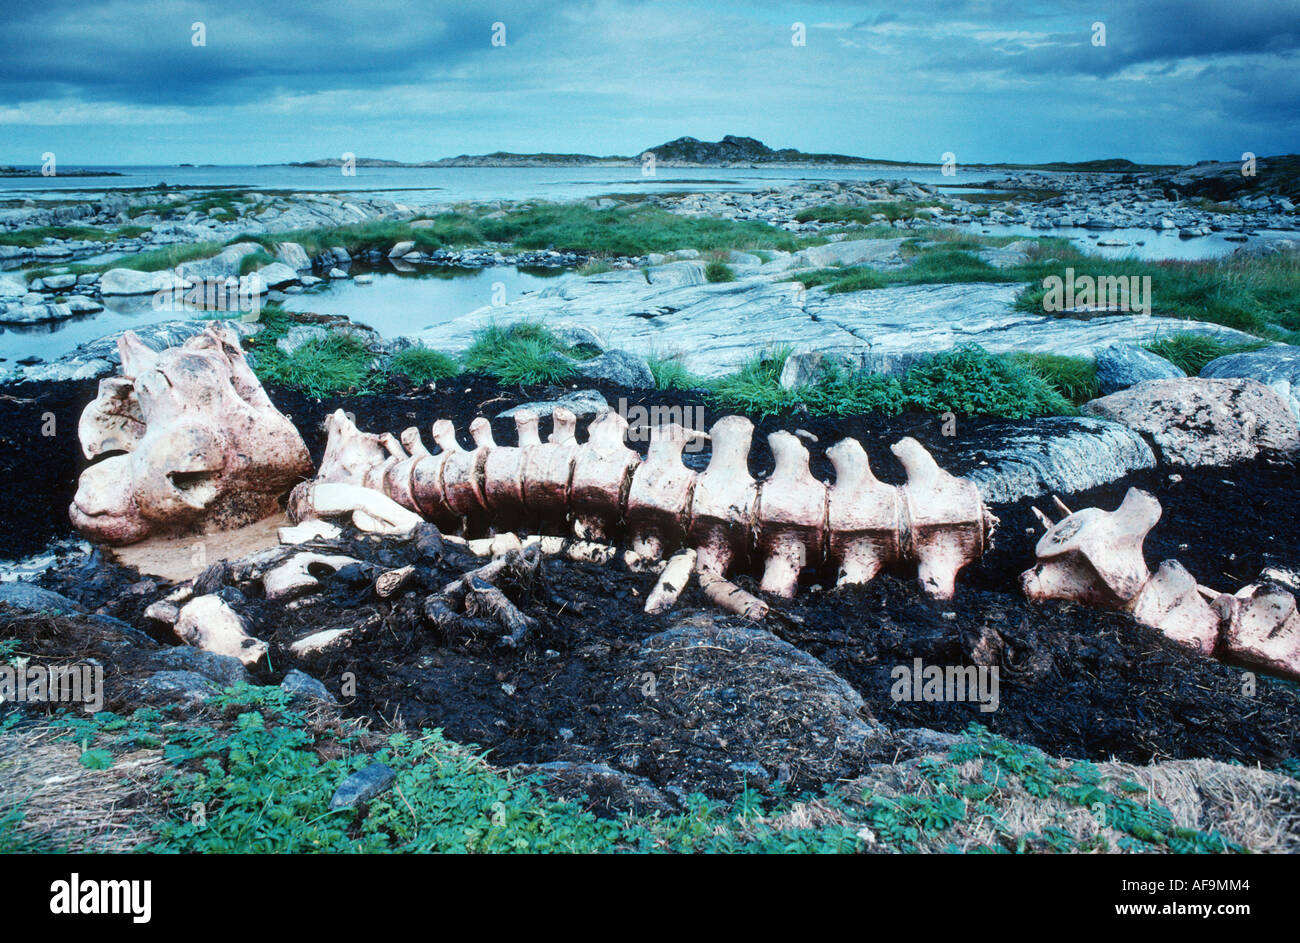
pixel 371 510
pixel 657 506
pixel 186 441
pixel 1094 557
pixel 948 525
pixel 298 574
pixel 671 582
pixel 207 622
pixel 791 516
pixel 1261 629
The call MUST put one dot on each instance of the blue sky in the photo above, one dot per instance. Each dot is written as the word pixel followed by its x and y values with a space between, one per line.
pixel 121 81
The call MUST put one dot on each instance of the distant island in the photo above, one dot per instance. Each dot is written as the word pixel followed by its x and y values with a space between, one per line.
pixel 732 151
pixel 36 172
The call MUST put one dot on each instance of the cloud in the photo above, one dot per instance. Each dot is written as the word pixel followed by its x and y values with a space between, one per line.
pixel 107 80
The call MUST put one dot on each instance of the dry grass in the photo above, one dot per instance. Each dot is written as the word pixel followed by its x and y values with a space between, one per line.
pixel 68 806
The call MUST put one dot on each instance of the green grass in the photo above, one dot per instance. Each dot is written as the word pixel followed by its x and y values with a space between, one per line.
pixel 716 271
pixel 671 374
pixel 261 773
pixel 523 353
pixel 255 260
pixel 335 364
pixel 1191 352
pixel 1257 295
pixel 868 213
pixel 37 235
pixel 1074 378
pixel 966 380
pixel 422 365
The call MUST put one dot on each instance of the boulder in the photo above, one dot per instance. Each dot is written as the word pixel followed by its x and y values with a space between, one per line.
pixel 582 403
pixel 58 282
pixel 748 707
pixel 1120 366
pixel 20 595
pixel 401 249
pixel 225 670
pixel 802 369
pixel 1277 367
pixel 294 256
pixel 225 264
pixel 188 687
pixel 1197 421
pixel 123 281
pixel 617 366
pixel 277 274
pixel 300 685
pixel 1057 455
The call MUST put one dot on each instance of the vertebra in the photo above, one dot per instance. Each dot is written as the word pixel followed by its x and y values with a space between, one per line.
pixel 1095 557
pixel 602 490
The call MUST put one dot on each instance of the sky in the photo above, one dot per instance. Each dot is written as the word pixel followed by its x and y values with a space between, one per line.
pixel 1168 81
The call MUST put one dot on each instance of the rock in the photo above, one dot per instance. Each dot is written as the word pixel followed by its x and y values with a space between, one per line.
pixel 1120 366
pixel 277 275
pixel 223 669
pixel 742 696
pixel 208 622
pixel 575 335
pixel 337 273
pixel 364 279
pixel 401 249
pixel 299 684
pixel 617 366
pixel 1196 421
pixel 1277 367
pixel 12 287
pixel 362 786
pixel 32 598
pixel 1056 455
pixel 300 334
pixel 582 403
pixel 602 788
pixel 676 274
pixel 189 687
pixel 58 282
pixel 122 281
pixel 802 369
pixel 80 304
pixel 856 252
pixel 225 264
pixel 294 256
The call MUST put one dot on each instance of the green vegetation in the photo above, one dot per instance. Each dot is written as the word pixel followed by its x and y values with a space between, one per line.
pixel 1075 378
pixel 337 363
pixel 1191 352
pixel 671 374
pixel 255 260
pixel 523 353
pixel 717 271
pixel 252 774
pixel 1252 294
pixel 1007 196
pixel 421 365
pixel 38 235
pixel 966 380
pixel 867 213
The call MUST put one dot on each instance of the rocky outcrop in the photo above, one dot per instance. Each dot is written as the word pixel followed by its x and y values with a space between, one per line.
pixel 121 281
pixel 1120 366
pixel 1277 367
pixel 1197 421
pixel 1057 455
